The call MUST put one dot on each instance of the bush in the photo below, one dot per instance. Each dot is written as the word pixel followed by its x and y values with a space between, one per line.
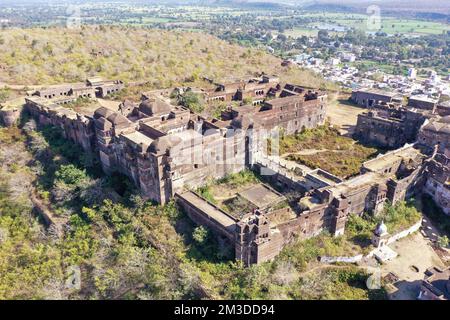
pixel 71 175
pixel 400 216
pixel 4 95
pixel 443 242
pixel 206 193
pixel 192 101
pixel 200 234
pixel 239 179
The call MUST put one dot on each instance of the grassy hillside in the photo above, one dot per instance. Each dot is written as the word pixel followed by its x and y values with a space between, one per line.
pixel 165 58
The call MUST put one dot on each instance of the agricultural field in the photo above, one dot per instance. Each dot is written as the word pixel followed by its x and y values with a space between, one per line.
pixel 389 25
pixel 306 31
pixel 325 148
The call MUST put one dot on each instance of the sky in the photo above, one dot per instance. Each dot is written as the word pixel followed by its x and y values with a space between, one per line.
pixel 401 3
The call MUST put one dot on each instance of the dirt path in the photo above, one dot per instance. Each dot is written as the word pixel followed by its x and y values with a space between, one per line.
pixel 344 116
pixel 305 152
pixel 309 152
pixel 414 253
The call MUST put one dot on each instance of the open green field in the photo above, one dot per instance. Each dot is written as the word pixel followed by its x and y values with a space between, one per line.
pixel 384 67
pixel 146 21
pixel 389 25
pixel 309 32
pixel 394 26
pixel 298 32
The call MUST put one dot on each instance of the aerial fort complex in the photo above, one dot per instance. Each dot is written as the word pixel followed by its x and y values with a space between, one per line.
pixel 169 152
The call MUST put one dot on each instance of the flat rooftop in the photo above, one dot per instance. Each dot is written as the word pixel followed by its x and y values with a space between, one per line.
pixel 139 138
pixel 188 135
pixel 391 157
pixel 356 182
pixel 325 177
pixel 423 98
pixel 378 91
pixel 209 209
pixel 261 195
pixel 307 203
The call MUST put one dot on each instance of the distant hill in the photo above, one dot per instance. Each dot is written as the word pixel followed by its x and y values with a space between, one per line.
pixel 411 7
pixel 164 58
pixel 437 10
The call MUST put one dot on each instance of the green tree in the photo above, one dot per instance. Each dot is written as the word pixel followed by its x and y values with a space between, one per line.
pixel 192 101
pixel 200 234
pixel 443 241
pixel 71 175
pixel 4 95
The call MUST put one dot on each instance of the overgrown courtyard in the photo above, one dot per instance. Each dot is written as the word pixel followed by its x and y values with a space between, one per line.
pixel 323 147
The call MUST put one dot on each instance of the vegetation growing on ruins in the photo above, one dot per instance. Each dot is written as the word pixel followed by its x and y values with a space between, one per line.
pixel 127 248
pixel 397 217
pixel 161 59
pixel 192 101
pixel 81 103
pixel 222 192
pixel 357 237
pixel 241 178
pixel 339 155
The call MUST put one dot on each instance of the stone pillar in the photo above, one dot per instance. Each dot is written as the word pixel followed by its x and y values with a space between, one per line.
pixel 339 209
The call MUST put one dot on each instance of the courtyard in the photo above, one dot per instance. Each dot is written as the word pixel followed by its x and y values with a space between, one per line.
pixel 338 154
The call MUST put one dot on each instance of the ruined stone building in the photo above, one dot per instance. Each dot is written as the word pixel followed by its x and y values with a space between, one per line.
pixel 390 177
pixel 59 95
pixel 255 89
pixel 325 201
pixel 165 148
pixel 291 113
pixel 443 108
pixel 371 97
pixel 391 125
pixel 437 132
pixel 435 285
pixel 422 102
pixel 437 175
pixel 169 151
pixel 261 233
pixel 10 111
pixel 421 121
pixel 75 126
pixel 388 126
pixel 95 87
